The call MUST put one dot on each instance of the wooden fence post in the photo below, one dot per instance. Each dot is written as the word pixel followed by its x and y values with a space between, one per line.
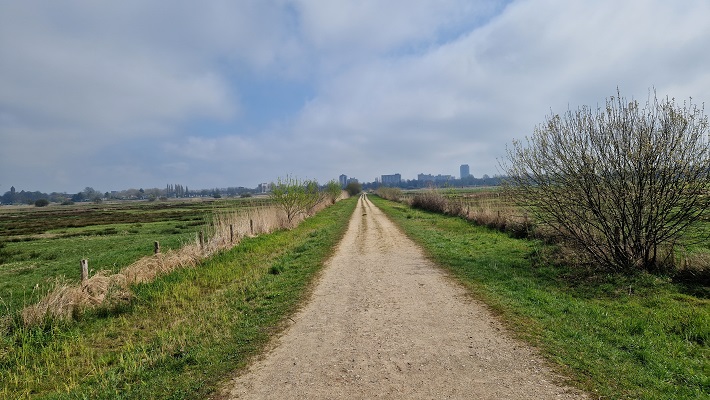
pixel 202 240
pixel 84 270
pixel 251 226
pixel 156 247
pixel 231 233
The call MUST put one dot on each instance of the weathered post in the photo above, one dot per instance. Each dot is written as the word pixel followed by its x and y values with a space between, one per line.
pixel 231 233
pixel 84 270
pixel 251 226
pixel 156 247
pixel 202 240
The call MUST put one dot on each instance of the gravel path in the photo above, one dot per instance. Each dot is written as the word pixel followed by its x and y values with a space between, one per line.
pixel 384 322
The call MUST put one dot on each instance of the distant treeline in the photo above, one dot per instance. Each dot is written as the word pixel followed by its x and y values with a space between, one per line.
pixel 439 183
pixel 90 194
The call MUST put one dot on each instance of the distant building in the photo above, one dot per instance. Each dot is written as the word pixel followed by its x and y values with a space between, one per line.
pixel 435 179
pixel 343 179
pixel 465 171
pixel 394 179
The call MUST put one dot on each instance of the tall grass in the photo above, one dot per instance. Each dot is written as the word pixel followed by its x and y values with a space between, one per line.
pixel 390 193
pixel 225 229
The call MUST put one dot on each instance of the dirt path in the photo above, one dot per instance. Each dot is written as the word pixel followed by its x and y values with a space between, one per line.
pixel 384 322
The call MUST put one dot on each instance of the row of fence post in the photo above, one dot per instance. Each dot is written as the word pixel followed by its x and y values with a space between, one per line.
pixel 84 264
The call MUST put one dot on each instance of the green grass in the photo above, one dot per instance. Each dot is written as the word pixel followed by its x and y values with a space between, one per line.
pixel 39 245
pixel 182 334
pixel 619 337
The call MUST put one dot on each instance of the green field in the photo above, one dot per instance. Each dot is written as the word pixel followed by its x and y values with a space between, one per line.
pixel 40 245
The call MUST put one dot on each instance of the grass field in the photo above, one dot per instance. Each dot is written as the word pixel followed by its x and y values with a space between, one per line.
pixel 619 337
pixel 40 245
pixel 183 333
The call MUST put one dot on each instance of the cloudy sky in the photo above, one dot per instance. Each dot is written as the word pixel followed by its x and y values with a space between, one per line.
pixel 136 93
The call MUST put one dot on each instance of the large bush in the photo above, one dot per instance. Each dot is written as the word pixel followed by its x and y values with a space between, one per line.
pixel 623 182
pixel 353 188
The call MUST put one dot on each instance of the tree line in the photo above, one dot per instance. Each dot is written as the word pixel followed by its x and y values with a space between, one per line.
pixel 468 181
pixel 90 194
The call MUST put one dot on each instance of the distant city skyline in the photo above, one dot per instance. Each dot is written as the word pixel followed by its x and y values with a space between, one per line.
pixel 343 180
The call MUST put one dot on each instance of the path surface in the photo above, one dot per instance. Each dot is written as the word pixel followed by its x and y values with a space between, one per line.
pixel 384 322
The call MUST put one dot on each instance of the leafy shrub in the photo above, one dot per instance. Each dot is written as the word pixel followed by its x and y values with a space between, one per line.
pixel 353 188
pixel 41 203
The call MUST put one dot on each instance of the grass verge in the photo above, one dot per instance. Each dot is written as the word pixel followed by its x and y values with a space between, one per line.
pixel 183 333
pixel 618 337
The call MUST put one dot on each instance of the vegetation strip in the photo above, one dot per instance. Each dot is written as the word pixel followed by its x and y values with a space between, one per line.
pixel 620 337
pixel 183 333
pixel 39 246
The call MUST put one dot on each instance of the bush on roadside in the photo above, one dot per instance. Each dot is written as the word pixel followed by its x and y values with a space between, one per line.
pixel 353 188
pixel 390 193
pixel 624 183
pixel 431 200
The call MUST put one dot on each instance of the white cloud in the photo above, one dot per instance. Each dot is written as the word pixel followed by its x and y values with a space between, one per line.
pixel 91 82
pixel 398 86
pixel 463 101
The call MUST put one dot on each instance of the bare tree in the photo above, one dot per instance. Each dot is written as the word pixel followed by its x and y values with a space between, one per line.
pixel 333 191
pixel 314 196
pixel 296 197
pixel 622 182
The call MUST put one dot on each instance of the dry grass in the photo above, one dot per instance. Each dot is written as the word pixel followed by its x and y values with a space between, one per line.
pixel 694 267
pixel 65 301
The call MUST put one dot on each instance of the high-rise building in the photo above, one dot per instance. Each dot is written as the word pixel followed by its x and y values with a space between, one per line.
pixel 465 172
pixel 394 179
pixel 343 179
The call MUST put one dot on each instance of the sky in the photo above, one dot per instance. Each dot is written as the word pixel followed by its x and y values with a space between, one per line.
pixel 210 94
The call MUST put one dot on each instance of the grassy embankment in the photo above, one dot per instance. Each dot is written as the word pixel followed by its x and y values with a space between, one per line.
pixel 183 333
pixel 619 337
pixel 40 245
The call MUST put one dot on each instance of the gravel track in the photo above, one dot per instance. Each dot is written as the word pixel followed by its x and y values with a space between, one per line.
pixel 385 322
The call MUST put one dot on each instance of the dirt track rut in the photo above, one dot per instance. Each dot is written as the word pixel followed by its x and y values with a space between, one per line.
pixel 384 322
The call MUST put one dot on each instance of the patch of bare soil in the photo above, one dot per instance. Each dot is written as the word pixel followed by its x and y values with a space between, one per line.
pixel 384 322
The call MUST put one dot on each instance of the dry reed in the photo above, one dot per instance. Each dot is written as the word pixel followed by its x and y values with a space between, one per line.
pixel 65 301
